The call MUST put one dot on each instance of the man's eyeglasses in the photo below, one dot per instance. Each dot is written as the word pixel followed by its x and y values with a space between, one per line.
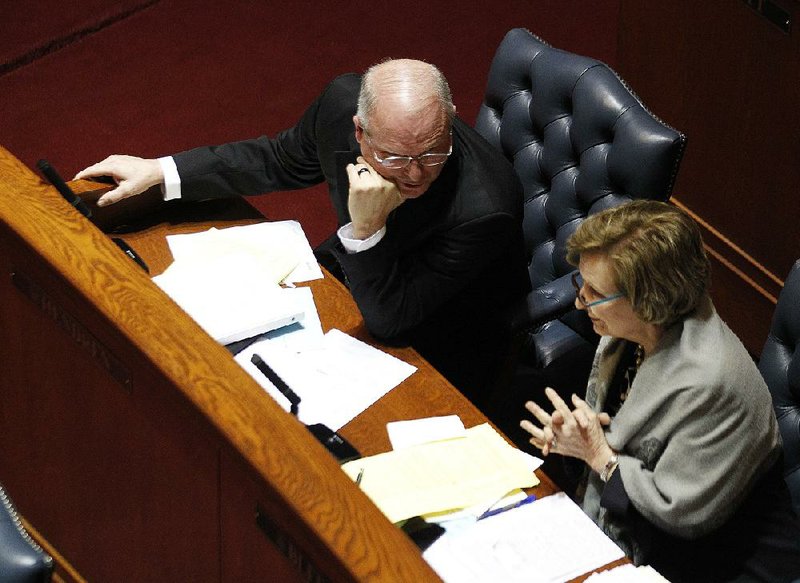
pixel 399 162
pixel 597 302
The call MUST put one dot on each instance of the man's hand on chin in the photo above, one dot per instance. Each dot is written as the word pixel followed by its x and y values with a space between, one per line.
pixel 371 199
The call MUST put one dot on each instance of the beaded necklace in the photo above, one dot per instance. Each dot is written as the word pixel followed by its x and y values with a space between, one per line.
pixel 630 373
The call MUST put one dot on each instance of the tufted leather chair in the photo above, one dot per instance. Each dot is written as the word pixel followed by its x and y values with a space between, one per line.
pixel 581 142
pixel 780 366
pixel 21 559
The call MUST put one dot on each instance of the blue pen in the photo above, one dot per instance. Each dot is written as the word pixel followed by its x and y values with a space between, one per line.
pixel 523 502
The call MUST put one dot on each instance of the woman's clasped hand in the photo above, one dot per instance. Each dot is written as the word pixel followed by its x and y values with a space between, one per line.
pixel 576 432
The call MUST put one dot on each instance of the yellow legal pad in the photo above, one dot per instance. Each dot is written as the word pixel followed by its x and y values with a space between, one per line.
pixel 478 468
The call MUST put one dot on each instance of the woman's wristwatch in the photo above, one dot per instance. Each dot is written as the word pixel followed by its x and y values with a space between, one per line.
pixel 609 468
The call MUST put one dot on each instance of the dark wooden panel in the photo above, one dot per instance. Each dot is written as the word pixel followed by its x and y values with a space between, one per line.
pixel 94 449
pixel 247 552
pixel 727 77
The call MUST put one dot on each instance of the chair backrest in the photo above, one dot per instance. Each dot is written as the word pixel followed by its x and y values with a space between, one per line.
pixel 579 139
pixel 780 366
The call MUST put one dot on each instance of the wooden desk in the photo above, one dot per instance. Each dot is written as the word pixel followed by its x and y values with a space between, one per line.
pixel 426 393
pixel 136 446
pixel 140 450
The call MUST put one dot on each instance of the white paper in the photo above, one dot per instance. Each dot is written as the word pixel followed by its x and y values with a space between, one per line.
pixel 548 541
pixel 306 334
pixel 335 382
pixel 281 245
pixel 628 573
pixel 416 431
pixel 230 298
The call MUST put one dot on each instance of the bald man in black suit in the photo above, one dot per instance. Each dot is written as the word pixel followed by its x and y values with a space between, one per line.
pixel 430 237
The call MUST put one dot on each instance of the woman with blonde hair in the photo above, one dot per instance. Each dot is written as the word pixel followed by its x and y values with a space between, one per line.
pixel 677 434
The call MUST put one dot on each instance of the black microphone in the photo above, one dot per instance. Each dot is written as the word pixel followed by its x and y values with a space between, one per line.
pixel 335 443
pixel 62 187
pixel 279 383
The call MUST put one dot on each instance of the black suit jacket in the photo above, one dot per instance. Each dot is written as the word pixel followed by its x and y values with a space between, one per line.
pixel 450 259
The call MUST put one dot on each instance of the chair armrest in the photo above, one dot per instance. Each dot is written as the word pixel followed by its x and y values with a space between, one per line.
pixel 542 304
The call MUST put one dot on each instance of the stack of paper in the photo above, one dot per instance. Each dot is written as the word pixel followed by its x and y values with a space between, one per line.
pixel 228 280
pixel 443 475
pixel 282 249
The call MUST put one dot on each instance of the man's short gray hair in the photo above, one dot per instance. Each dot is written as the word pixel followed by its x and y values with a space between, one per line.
pixel 418 79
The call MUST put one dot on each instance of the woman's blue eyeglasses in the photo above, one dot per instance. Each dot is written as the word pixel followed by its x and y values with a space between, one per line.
pixel 586 304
